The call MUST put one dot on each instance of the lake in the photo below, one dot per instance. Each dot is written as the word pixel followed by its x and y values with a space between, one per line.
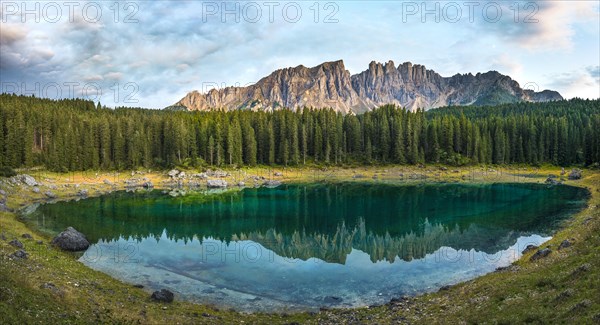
pixel 306 246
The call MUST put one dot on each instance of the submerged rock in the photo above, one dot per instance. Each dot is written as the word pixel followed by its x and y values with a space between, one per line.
pixel 445 288
pixel 177 192
pixel 71 240
pixel 332 300
pixel 163 295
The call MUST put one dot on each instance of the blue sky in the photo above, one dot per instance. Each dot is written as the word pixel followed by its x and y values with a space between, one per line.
pixel 151 54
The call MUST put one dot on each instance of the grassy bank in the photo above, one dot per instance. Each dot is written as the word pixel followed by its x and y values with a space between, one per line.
pixel 52 286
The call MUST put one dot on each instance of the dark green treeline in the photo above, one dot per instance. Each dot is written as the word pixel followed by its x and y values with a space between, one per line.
pixel 69 135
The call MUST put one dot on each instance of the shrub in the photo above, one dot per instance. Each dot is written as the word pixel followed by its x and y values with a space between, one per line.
pixel 6 171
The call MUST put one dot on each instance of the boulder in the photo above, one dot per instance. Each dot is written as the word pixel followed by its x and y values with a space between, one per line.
pixel 217 173
pixel 194 184
pixel 200 175
pixel 584 268
pixel 28 180
pixel 564 244
pixel 163 295
pixel 528 249
pixel 272 183
pixel 241 184
pixel 173 173
pixel 565 294
pixel 71 240
pixel 82 193
pixel 147 185
pixel 15 243
pixel 552 181
pixel 133 182
pixel 36 189
pixel 540 254
pixel 26 236
pixel 107 182
pixel 50 195
pixel 216 183
pixel 575 174
pixel 3 208
pixel 19 254
pixel 278 174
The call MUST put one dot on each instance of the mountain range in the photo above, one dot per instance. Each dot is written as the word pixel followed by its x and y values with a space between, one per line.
pixel 331 85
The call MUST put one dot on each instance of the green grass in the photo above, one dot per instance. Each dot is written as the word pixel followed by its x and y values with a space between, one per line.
pixel 562 288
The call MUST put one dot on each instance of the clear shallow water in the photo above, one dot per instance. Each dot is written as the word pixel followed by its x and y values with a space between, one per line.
pixel 301 247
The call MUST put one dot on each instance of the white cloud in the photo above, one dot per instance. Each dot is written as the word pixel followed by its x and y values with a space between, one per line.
pixel 579 83
pixel 114 75
pixel 171 50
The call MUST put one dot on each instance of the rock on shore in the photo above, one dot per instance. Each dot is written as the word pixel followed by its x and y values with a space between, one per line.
pixel 71 240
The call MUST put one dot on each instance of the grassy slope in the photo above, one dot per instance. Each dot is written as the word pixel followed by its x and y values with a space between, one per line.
pixel 549 290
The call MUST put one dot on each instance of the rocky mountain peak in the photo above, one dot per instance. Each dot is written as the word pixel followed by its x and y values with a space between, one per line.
pixel 331 85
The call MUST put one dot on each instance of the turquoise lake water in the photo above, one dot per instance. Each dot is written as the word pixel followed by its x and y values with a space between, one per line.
pixel 301 247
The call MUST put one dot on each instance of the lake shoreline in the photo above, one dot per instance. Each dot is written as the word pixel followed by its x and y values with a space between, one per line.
pixel 70 186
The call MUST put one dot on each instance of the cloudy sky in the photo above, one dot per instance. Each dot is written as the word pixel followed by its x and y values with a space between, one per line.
pixel 150 54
